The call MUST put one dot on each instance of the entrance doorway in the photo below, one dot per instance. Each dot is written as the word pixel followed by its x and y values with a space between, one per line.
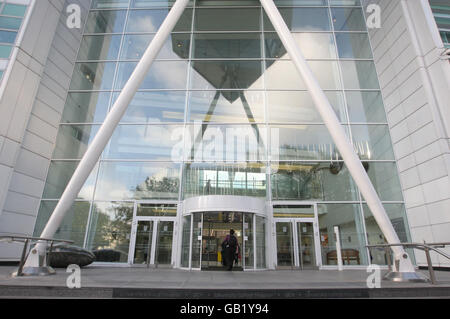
pixel 151 241
pixel 297 239
pixel 216 226
pixel 207 231
pixel 296 245
pixel 206 221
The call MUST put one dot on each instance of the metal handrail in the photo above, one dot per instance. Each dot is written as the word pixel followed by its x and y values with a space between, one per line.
pixel 425 247
pixel 26 240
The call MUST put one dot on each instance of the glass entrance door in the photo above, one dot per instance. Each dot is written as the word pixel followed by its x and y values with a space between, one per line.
pixel 152 241
pixel 296 244
pixel 306 246
pixel 143 242
pixel 216 226
pixel 285 245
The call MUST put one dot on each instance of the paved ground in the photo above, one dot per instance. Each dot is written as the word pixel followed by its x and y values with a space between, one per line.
pixel 143 282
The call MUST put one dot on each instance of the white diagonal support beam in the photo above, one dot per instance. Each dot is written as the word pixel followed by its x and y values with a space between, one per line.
pixel 337 132
pixel 90 158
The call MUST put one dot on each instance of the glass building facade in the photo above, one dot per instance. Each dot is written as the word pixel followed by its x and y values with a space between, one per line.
pixel 12 15
pixel 223 112
pixel 441 12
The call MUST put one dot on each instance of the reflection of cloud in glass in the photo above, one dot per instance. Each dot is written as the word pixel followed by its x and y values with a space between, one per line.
pixel 127 180
pixel 283 75
pixel 142 24
pixel 162 75
pixel 142 142
pixel 170 74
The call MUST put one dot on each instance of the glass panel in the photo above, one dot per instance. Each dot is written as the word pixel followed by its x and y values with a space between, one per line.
pixel 303 142
pixel 162 75
pixel 301 2
pixel 59 175
pixel 88 107
pixel 302 19
pixel 176 46
pixel 73 226
pixel 306 248
pixel 260 242
pixel 293 211
pixel 105 21
pixel 348 218
pixel 233 179
pixel 110 231
pixel 312 181
pixel 138 180
pixel 73 141
pixel 353 45
pixel 345 2
pixel 231 143
pixel 348 19
pixel 227 45
pixel 359 75
pixel 186 242
pixel 155 106
pixel 154 210
pixel 285 249
pixel 93 76
pixel 372 142
pixel 150 142
pixel 99 47
pixel 8 36
pixel 384 177
pixel 298 107
pixel 249 249
pixel 397 215
pixel 226 75
pixel 15 10
pixel 101 4
pixel 5 51
pixel 282 75
pixel 151 20
pixel 226 106
pixel 152 3
pixel 196 240
pixel 227 19
pixel 10 23
pixel 366 107
pixel 164 240
pixel 143 245
pixel 205 3
pixel 312 45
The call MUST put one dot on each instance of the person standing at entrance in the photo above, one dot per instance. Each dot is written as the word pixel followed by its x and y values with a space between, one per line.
pixel 230 249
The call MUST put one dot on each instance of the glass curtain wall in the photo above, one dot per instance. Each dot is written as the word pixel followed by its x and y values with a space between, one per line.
pixel 12 15
pixel 222 111
pixel 441 12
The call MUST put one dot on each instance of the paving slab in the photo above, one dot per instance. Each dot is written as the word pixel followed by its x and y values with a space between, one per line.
pixel 120 282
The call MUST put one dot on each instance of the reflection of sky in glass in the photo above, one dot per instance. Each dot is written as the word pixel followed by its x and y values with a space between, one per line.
pixel 142 142
pixel 162 75
pixel 120 180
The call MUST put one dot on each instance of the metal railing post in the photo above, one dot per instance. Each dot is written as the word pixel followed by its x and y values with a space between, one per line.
pixel 430 265
pixel 388 257
pixel 49 255
pixel 22 259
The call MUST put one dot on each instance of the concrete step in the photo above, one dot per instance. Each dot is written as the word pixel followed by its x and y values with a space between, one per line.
pixel 151 293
